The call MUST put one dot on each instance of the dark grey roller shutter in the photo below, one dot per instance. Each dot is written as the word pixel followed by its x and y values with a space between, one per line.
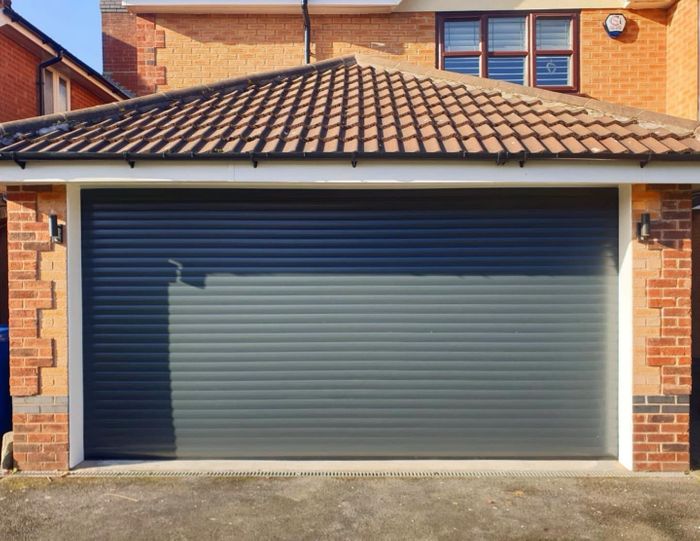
pixel 456 323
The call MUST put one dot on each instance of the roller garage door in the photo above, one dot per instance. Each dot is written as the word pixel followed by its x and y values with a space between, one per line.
pixel 334 323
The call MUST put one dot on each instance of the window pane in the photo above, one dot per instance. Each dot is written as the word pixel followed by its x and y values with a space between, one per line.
pixel 507 34
pixel 507 68
pixel 468 65
pixel 553 70
pixel 553 33
pixel 462 35
pixel 48 92
pixel 62 104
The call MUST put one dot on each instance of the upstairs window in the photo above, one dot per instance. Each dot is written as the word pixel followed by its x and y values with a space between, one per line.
pixel 56 92
pixel 536 49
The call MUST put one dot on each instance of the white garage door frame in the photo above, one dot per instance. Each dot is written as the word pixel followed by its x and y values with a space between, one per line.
pixel 371 176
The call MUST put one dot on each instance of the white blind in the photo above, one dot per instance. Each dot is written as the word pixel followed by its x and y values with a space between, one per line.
pixel 462 36
pixel 507 34
pixel 553 34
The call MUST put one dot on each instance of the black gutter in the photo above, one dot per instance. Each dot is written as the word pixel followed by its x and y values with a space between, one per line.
pixel 499 158
pixel 40 79
pixel 307 31
pixel 17 18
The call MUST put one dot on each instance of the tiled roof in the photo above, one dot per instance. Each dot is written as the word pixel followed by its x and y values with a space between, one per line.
pixel 354 106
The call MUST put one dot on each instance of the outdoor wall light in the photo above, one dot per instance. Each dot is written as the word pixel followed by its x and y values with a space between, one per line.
pixel 55 229
pixel 644 227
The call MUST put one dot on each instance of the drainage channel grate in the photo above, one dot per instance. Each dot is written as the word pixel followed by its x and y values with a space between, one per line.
pixel 351 474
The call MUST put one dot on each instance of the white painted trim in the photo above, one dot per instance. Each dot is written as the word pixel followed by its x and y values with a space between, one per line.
pixel 56 79
pixel 75 319
pixel 260 6
pixel 625 330
pixel 507 5
pixel 76 453
pixel 367 174
pixel 370 6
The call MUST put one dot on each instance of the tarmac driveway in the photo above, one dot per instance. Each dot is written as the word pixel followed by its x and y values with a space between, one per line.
pixel 326 508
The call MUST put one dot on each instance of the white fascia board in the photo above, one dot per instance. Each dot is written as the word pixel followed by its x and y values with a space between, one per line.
pixel 374 6
pixel 259 6
pixel 367 174
pixel 507 5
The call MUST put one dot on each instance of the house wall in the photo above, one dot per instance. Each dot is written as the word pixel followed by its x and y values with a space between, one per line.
pixel 629 70
pixel 81 97
pixel 168 51
pixel 38 328
pixel 682 81
pixel 18 84
pixel 662 328
pixel 18 98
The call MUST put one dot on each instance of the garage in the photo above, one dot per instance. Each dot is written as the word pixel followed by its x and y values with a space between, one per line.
pixel 352 259
pixel 471 323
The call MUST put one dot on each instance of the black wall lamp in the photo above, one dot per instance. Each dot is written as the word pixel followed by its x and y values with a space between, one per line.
pixel 55 229
pixel 644 227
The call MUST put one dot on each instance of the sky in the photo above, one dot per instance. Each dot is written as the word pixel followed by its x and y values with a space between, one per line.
pixel 75 24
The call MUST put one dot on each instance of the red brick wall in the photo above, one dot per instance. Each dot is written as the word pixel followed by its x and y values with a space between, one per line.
pixel 18 91
pixel 18 88
pixel 38 328
pixel 662 328
pixel 119 48
pixel 682 81
pixel 80 97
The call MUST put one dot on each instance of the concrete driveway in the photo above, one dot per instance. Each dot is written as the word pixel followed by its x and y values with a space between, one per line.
pixel 326 508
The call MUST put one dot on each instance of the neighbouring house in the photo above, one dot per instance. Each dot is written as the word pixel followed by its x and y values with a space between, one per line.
pixel 38 76
pixel 353 258
pixel 155 45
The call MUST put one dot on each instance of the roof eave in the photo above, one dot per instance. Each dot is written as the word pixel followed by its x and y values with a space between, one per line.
pixel 498 158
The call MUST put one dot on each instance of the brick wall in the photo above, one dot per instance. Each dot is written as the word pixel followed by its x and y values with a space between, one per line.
pixel 662 328
pixel 18 85
pixel 80 97
pixel 204 48
pixel 682 81
pixel 119 48
pixel 630 70
pixel 18 96
pixel 38 328
pixel 184 50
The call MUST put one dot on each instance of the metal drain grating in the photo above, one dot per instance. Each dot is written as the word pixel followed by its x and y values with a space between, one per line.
pixel 350 474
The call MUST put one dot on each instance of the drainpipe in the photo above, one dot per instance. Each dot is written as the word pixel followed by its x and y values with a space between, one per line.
pixel 40 78
pixel 307 31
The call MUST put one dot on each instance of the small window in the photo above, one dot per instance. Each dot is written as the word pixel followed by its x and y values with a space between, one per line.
pixel 56 92
pixel 536 48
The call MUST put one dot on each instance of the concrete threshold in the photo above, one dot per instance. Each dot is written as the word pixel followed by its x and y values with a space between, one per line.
pixel 354 468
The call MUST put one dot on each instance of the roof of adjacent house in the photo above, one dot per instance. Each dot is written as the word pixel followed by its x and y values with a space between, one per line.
pixel 354 106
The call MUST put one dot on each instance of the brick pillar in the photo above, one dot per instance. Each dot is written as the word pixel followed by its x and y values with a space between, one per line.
pixel 662 329
pixel 129 47
pixel 38 328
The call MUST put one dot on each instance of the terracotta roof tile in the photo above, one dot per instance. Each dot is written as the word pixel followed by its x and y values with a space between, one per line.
pixel 355 104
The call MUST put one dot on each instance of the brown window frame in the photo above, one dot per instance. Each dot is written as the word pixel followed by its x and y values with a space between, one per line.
pixel 530 54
